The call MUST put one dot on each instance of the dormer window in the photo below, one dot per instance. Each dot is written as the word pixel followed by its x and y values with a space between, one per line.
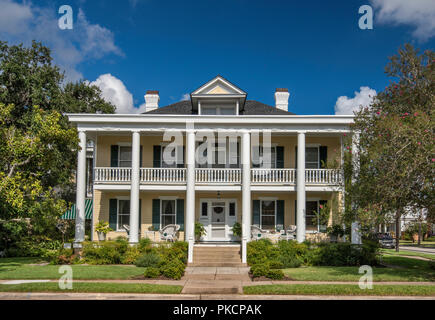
pixel 218 110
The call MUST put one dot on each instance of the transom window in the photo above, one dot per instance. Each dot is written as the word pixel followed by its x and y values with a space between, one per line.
pixel 124 157
pixel 312 158
pixel 268 214
pixel 168 212
pixel 123 214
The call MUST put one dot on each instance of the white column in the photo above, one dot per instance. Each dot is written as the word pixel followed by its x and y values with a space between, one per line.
pixel 134 192
pixel 190 192
pixel 246 193
pixel 300 189
pixel 355 227
pixel 81 189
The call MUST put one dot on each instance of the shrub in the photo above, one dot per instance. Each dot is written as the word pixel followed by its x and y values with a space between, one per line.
pixel 144 245
pixel 151 272
pixel 130 256
pixel 290 262
pixel 61 256
pixel 276 264
pixel 260 270
pixel 107 252
pixel 122 244
pixel 261 251
pixel 346 254
pixel 432 264
pixel 275 274
pixel 148 260
pixel 173 269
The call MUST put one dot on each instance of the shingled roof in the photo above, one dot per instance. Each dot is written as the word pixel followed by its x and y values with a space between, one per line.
pixel 252 107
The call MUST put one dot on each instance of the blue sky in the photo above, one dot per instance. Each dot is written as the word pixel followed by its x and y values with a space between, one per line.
pixel 313 48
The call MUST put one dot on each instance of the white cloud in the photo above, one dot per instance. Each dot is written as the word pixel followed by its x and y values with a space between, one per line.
pixel 24 22
pixel 113 90
pixel 185 96
pixel 363 98
pixel 419 14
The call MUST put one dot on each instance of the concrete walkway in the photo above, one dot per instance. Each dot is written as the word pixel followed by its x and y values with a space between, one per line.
pixel 128 296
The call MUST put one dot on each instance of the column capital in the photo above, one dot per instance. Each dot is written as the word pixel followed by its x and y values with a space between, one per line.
pixel 302 132
pixel 136 131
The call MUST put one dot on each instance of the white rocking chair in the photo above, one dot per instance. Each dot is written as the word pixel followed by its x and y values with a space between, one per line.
pixel 257 233
pixel 169 232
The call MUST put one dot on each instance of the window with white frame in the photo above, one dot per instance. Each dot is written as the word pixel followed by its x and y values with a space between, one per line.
pixel 218 110
pixel 168 212
pixel 260 161
pixel 312 220
pixel 123 214
pixel 176 155
pixel 124 156
pixel 312 158
pixel 268 214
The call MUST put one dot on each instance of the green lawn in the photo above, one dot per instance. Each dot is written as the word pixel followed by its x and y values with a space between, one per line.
pixel 19 268
pixel 92 287
pixel 351 274
pixel 408 270
pixel 346 289
pixel 408 253
pixel 424 244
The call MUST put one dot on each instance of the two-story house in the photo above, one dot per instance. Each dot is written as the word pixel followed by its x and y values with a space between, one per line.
pixel 230 160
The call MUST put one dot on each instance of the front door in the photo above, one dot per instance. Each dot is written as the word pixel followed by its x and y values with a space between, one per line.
pixel 218 217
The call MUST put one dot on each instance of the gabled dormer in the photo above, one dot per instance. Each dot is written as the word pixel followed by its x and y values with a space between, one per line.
pixel 218 97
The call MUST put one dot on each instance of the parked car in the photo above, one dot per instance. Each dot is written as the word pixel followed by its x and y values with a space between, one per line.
pixel 386 241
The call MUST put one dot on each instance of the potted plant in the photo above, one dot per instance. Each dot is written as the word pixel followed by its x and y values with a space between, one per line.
pixel 237 230
pixel 102 229
pixel 199 231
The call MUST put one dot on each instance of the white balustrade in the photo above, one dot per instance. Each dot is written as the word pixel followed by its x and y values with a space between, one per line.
pixel 267 176
pixel 163 175
pixel 115 175
pixel 323 176
pixel 218 175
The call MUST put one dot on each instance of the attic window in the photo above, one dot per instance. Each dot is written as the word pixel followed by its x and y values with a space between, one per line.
pixel 224 111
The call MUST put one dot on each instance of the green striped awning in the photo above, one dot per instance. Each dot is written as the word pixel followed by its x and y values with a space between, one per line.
pixel 71 213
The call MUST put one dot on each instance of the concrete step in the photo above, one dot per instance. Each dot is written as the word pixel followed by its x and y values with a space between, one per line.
pixel 212 287
pixel 217 264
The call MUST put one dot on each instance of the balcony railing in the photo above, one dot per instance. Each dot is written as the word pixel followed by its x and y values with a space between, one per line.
pixel 115 175
pixel 266 176
pixel 215 175
pixel 163 175
pixel 323 176
pixel 259 176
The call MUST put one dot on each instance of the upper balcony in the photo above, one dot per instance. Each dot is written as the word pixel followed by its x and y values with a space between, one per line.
pixel 218 176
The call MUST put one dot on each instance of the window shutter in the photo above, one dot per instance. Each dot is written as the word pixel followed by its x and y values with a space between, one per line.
pixel 156 214
pixel 256 212
pixel 296 212
pixel 140 214
pixel 323 156
pixel 321 226
pixel 114 149
pixel 157 150
pixel 296 157
pixel 280 213
pixel 113 213
pixel 140 157
pixel 280 157
pixel 180 213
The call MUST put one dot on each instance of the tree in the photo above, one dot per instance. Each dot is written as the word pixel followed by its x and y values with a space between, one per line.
pixel 397 146
pixel 38 147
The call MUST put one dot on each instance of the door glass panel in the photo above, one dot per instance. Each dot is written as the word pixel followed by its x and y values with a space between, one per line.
pixel 218 215
pixel 232 212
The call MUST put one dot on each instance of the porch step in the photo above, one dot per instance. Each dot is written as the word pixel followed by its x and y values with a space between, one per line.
pixel 217 256
pixel 212 287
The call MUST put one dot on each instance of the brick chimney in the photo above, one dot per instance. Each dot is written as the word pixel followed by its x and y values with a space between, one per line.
pixel 151 100
pixel 281 98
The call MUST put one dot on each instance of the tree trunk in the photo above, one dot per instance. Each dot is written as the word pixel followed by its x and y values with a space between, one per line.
pixel 419 233
pixel 397 230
